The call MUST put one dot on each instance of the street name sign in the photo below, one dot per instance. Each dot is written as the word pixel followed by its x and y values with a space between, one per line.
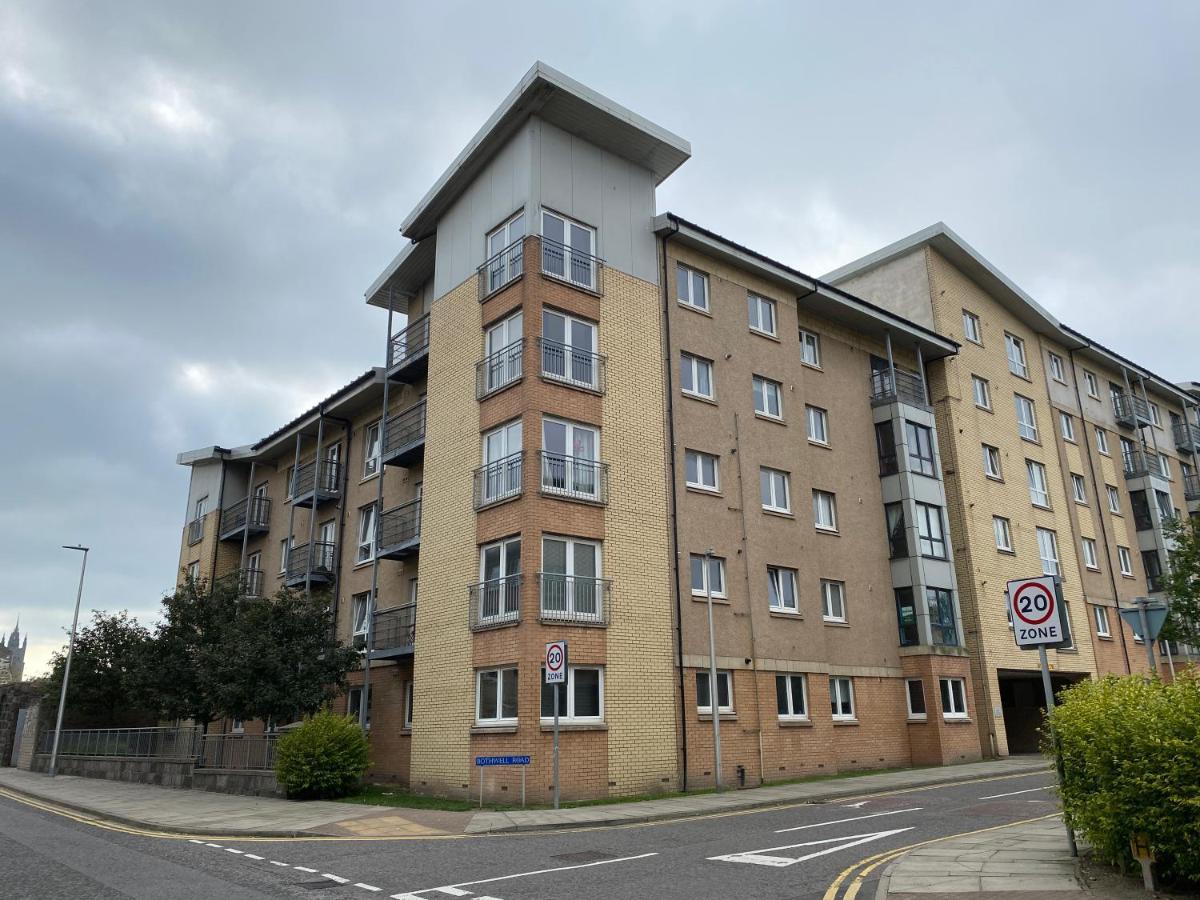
pixel 502 760
pixel 1036 612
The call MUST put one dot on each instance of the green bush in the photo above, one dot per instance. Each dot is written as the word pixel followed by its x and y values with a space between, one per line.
pixel 1131 762
pixel 324 757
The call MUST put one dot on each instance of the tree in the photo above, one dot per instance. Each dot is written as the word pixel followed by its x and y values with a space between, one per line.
pixel 108 672
pixel 1183 583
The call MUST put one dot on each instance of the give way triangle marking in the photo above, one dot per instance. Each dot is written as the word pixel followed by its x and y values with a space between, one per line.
pixel 767 857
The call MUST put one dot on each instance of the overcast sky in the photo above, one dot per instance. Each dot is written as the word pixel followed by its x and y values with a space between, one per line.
pixel 189 192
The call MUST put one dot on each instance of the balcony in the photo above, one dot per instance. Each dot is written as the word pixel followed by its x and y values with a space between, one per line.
pixel 495 372
pixel 320 480
pixel 584 480
pixel 495 603
pixel 404 437
pixel 1191 487
pixel 1187 437
pixel 195 531
pixel 310 563
pixel 1139 464
pixel 250 583
pixel 393 632
pixel 564 263
pixel 502 269
pixel 408 351
pixel 898 387
pixel 574 599
pixel 1131 410
pixel 498 481
pixel 250 515
pixel 573 367
pixel 400 531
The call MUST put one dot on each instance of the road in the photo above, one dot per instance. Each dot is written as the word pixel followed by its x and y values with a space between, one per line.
pixel 790 852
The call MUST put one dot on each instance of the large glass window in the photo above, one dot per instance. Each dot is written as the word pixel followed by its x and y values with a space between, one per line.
pixel 941 617
pixel 696 376
pixel 781 589
pixel 569 350
pixel 906 617
pixel 504 349
pixel 773 489
pixel 930 530
pixel 500 581
pixel 568 250
pixel 897 535
pixel 501 475
pixel 691 287
pixel 496 696
pixel 920 448
pixel 505 258
pixel 791 697
pixel 571 586
pixel 581 699
pixel 570 459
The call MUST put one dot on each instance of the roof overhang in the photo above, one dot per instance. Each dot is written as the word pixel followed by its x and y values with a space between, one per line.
pixel 562 101
pixel 824 299
pixel 1152 382
pixel 404 276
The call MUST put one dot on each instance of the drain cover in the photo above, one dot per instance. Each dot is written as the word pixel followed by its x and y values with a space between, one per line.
pixel 585 856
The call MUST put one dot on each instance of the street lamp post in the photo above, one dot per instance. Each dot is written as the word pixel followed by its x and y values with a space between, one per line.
pixel 62 697
pixel 714 694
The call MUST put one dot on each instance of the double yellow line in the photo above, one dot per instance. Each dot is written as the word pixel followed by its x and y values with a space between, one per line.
pixel 864 867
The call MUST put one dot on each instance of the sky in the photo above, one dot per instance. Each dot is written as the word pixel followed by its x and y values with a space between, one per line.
pixel 194 197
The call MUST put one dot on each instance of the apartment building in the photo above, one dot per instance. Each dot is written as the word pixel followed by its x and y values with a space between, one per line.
pixel 588 418
pixel 1061 458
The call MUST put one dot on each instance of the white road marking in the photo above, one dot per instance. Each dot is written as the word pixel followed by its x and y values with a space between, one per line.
pixel 854 819
pixel 276 862
pixel 453 892
pixel 231 850
pixel 859 805
pixel 762 857
pixel 252 856
pixel 367 887
pixel 338 878
pixel 1014 793
pixel 446 889
pixel 218 846
pixel 304 868
pixel 195 841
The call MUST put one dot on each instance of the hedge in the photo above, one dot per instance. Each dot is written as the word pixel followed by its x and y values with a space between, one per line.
pixel 324 757
pixel 1130 753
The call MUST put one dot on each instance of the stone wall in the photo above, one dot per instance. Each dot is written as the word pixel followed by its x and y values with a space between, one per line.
pixel 14 698
pixel 174 773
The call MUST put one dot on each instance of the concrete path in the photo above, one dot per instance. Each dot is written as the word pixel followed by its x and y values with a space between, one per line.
pixel 1032 858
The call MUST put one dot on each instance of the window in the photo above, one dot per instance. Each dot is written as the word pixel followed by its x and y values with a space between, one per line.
pixel 291 482
pixel 1026 418
pixel 1003 529
pixel 841 698
pixel 581 699
pixel 569 350
pixel 1102 441
pixel 885 445
pixel 1048 551
pixel 704 696
pixel 920 448
pixel 1039 494
pixel 991 462
pixel 504 349
pixel 893 514
pixel 1015 348
pixel 501 474
pixel 817 423
pixel 762 314
pixel 284 546
pixel 773 487
pixel 940 603
pixel 825 511
pixel 1126 561
pixel 237 726
pixel 906 617
pixel 1155 415
pixel 354 699
pixel 781 589
pixel 360 612
pixel 499 582
pixel 691 287
pixel 1057 370
pixel 1152 564
pixel 371 450
pixel 701 470
pixel 791 696
pixel 768 397
pixel 983 392
pixel 252 577
pixel 1140 508
pixel 1089 554
pixel 408 704
pixel 930 532
pixel 1165 511
pixel 496 696
pixel 1100 614
pixel 1079 489
pixel 971 329
pixel 810 349
pixel 366 534
pixel 1092 385
pixel 915 691
pixel 503 267
pixel 954 698
pixel 571 582
pixel 713 578
pixel 193 571
pixel 1066 425
pixel 201 507
pixel 570 459
pixel 1114 499
pixel 833 600
pixel 695 376
pixel 1164 465
pixel 412 590
pixel 568 250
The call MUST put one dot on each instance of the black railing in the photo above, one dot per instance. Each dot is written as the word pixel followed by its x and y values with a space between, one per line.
pixel 904 387
pixel 575 479
pixel 1191 487
pixel 1187 436
pixel 195 531
pixel 409 345
pixel 324 475
pixel 315 559
pixel 570 598
pixel 1138 464
pixel 573 366
pixel 572 266
pixel 495 602
pixel 182 742
pixel 502 269
pixel 237 751
pixel 500 480
pixel 253 512
pixel 404 430
pixel 499 370
pixel 401 525
pixel 394 629
pixel 1131 410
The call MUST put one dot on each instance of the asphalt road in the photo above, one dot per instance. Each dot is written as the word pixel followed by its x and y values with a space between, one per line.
pixel 793 852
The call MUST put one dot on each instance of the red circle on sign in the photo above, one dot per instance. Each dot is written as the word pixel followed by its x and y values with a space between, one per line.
pixel 1017 603
pixel 554 659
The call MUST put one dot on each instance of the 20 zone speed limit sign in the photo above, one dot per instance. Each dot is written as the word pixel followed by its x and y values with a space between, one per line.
pixel 556 662
pixel 1036 616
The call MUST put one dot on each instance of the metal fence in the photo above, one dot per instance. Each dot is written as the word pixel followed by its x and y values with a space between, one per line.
pixel 237 751
pixel 180 742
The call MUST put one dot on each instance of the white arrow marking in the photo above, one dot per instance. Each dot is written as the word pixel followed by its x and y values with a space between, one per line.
pixel 854 819
pixel 761 857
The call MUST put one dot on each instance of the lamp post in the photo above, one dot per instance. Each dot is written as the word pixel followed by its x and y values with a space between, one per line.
pixel 62 697
pixel 714 694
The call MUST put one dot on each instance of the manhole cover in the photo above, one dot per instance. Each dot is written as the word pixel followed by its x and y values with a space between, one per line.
pixel 585 856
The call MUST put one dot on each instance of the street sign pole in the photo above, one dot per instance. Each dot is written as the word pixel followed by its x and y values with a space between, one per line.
pixel 1146 634
pixel 714 694
pixel 557 687
pixel 556 674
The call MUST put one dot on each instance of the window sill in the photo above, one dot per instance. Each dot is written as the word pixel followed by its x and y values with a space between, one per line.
pixel 1044 506
pixel 767 417
pixel 1104 637
pixel 956 720
pixel 700 397
pixel 548 726
pixel 986 409
pixel 709 492
pixel 1006 552
pixel 832 531
pixel 777 512
pixel 406 730
pixel 786 614
pixel 843 722
pixel 824 445
pixel 361 565
pixel 693 308
pixel 1035 441
pixel 917 720
pixel 835 623
pixel 796 722
pixel 809 365
pixel 717 601
pixel 367 478
pixel 1092 568
pixel 765 334
pixel 494 729
pixel 999 479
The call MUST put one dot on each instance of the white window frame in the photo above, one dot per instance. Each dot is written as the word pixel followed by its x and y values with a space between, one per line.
pixel 692 276
pixel 193 571
pixel 1018 362
pixel 253 564
pixel 832 591
pixel 354 698
pixel 789 682
pixel 1058 370
pixel 1125 560
pixel 992 466
pixel 694 364
pixel 372 448
pixel 573 484
pixel 1066 424
pixel 569 689
pixel 1164 465
pixel 816 424
pixel 946 692
pixel 1102 441
pixel 503 595
pixel 1092 384
pixel 776 480
pixel 569 584
pixel 810 348
pixel 1002 528
pixel 763 389
pixel 914 715
pixel 1090 559
pixel 511 265
pixel 981 388
pixel 285 547
pixel 1039 487
pixel 700 458
pixel 368 522
pixel 237 726
pixel 499 719
pixel 841 691
pixel 502 365
pixel 820 504
pixel 361 608
pixel 778 578
pixel 1079 489
pixel 723 675
pixel 503 473
pixel 1027 428
pixel 716 563
pixel 756 305
pixel 575 360
pixel 1047 541
pixel 1155 415
pixel 1114 499
pixel 570 251
pixel 972 329
pixel 1100 617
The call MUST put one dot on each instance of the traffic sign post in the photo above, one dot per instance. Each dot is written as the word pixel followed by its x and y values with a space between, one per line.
pixel 484 762
pixel 556 674
pixel 1146 619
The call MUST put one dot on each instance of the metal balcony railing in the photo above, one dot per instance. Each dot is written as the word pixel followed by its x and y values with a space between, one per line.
pixel 1130 410
pixel 253 513
pixel 1138 463
pixel 250 583
pixel 322 476
pixel 572 366
pixel 499 370
pixel 576 599
pixel 495 602
pixel 400 530
pixel 904 387
pixel 572 266
pixel 393 631
pixel 182 742
pixel 1187 437
pixel 313 561
pixel 501 269
pixel 408 349
pixel 404 436
pixel 195 531
pixel 498 481
pixel 246 752
pixel 574 479
pixel 1191 487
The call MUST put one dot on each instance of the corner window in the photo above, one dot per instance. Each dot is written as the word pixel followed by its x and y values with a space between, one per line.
pixel 366 534
pixel 791 697
pixel 929 528
pixel 915 692
pixel 1003 529
pixel 982 391
pixel 817 422
pixel 505 257
pixel 810 349
pixel 1067 426
pixel 774 490
pixel 696 376
pixel 833 600
pixel 762 314
pixel 1058 371
pixel 991 462
pixel 971 330
pixel 354 698
pixel 1015 348
pixel 954 698
pixel 568 250
pixel 724 693
pixel 701 470
pixel 371 450
pixel 781 589
pixel 1039 493
pixel 408 704
pixel 496 696
pixel 841 698
pixel 920 448
pixel 825 510
pixel 768 397
pixel 571 459
pixel 1026 418
pixel 499 596
pixel 572 587
pixel 581 699
pixel 569 351
pixel 706 577
pixel 691 287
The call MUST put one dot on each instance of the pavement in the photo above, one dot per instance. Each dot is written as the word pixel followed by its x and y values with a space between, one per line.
pixel 203 813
